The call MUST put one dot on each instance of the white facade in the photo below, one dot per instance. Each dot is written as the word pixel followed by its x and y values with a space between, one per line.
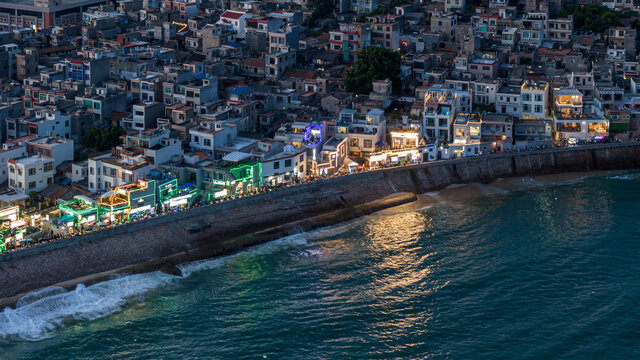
pixel 106 171
pixel 285 164
pixel 534 100
pixel 30 173
pixel 59 149
pixel 9 151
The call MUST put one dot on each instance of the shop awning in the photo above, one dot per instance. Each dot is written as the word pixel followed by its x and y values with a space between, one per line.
pixel 66 218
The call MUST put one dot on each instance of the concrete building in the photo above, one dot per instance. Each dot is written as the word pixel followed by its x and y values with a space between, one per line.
pixel 144 116
pixel 156 146
pixel 46 122
pixel 56 148
pixel 534 99
pixel 42 14
pixel 560 29
pixel 444 24
pixel 508 100
pixel 386 30
pixel 10 150
pixel 350 39
pixel 107 171
pixel 30 173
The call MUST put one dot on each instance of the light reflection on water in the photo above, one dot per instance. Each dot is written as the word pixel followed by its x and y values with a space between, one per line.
pixel 542 273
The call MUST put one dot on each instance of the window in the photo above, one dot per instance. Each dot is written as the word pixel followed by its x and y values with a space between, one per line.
pixel 32 171
pixel 354 143
pixel 32 185
pixel 301 158
pixel 287 163
pixel 276 165
pixel 48 167
pixel 207 142
pixel 368 143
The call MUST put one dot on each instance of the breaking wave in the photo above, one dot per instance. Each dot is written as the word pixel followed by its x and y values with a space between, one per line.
pixel 39 314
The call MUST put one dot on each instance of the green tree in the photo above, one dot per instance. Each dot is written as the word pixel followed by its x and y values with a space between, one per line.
pixel 103 139
pixel 593 17
pixel 373 63
pixel 321 9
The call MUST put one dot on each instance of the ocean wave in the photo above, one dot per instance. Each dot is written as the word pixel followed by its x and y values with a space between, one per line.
pixel 623 177
pixel 39 314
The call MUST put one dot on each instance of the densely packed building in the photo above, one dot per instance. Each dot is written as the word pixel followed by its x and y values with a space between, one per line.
pixel 107 104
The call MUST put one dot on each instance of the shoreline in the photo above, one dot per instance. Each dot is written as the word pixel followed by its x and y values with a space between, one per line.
pixel 404 202
pixel 228 227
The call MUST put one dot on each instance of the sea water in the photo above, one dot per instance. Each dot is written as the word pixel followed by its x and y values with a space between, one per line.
pixel 546 273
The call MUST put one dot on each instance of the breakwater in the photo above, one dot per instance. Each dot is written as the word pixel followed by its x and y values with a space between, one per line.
pixel 230 226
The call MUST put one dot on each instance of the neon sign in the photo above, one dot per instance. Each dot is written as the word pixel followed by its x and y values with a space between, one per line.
pixel 312 135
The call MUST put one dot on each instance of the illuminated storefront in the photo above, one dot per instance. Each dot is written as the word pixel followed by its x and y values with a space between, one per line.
pixel 78 211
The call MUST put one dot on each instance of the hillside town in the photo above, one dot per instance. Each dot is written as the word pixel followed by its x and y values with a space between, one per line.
pixel 113 111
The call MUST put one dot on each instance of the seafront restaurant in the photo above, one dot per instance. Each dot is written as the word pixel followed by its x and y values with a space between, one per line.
pixel 79 211
pixel 231 178
pixel 172 196
pixel 127 201
pixel 12 227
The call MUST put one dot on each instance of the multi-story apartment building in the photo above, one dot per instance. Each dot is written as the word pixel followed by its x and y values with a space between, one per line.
pixel 107 171
pixel 567 101
pixel 485 91
pixel 496 132
pixel 145 116
pixel 583 82
pixel 608 97
pixel 444 24
pixel 534 99
pixel 350 39
pixel 156 145
pixel 44 123
pixel 363 134
pixel 386 30
pixel 560 29
pixel 185 8
pixel 278 62
pixel 30 173
pixel 622 38
pixel 10 150
pixel 508 100
pixel 87 71
pixel 56 148
pixel 42 14
pixel 440 108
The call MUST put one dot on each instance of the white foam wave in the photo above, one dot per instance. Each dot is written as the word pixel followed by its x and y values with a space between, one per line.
pixel 40 313
pixel 38 319
pixel 623 177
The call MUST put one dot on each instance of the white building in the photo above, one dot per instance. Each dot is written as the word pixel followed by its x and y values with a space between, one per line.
pixel 57 148
pixel 9 151
pixel 155 145
pixel 45 123
pixel 237 19
pixel 107 171
pixel 30 173
pixel 508 100
pixel 440 108
pixel 534 100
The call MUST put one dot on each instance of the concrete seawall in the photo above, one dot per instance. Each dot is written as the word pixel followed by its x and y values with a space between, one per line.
pixel 232 225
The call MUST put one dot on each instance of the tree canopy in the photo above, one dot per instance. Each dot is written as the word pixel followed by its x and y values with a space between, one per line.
pixel 372 63
pixel 593 17
pixel 103 139
pixel 321 9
